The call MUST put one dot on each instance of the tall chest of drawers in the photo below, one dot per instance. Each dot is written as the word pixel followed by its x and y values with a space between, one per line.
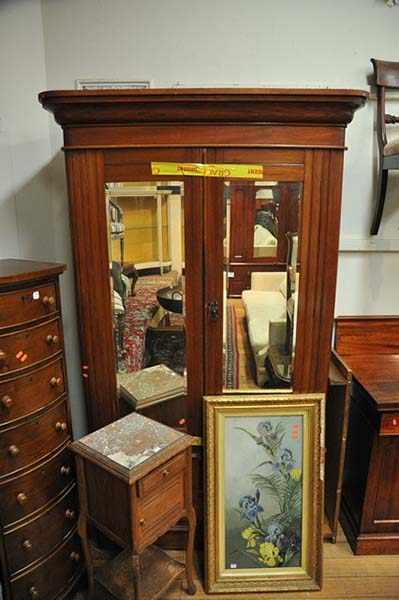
pixel 40 555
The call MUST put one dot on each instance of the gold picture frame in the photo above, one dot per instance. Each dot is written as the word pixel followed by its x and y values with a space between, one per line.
pixel 264 520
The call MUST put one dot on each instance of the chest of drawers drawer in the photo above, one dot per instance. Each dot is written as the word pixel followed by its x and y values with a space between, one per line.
pixel 22 395
pixel 24 444
pixel 43 581
pixel 30 492
pixel 34 540
pixel 28 304
pixel 25 348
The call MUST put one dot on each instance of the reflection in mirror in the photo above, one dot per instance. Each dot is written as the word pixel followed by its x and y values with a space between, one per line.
pixel 261 284
pixel 146 250
pixel 266 222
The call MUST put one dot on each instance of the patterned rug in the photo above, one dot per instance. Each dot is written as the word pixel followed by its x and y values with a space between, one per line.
pixel 140 309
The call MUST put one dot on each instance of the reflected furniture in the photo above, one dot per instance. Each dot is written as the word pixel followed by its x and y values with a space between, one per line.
pixel 260 217
pixel 145 467
pixel 265 312
pixel 296 135
pixel 38 495
pixel 386 78
pixel 370 492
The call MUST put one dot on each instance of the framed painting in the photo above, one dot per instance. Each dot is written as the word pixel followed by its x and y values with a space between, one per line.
pixel 264 492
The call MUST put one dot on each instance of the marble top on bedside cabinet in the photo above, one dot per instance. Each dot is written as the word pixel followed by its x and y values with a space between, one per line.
pixel 132 445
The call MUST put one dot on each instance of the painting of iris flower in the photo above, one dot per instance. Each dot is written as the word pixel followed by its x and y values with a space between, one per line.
pixel 263 492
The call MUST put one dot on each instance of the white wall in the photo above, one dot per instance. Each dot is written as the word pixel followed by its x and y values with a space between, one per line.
pixel 243 42
pixel 261 42
pixel 30 219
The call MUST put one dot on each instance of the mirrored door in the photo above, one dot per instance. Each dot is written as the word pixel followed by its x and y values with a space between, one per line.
pixel 255 284
pixel 147 270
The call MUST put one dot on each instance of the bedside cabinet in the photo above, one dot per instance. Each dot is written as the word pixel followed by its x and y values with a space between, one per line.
pixel 135 484
pixel 38 492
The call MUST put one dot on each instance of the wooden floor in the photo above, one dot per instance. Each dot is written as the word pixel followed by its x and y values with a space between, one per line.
pixel 346 577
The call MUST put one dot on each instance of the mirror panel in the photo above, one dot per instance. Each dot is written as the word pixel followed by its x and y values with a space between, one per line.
pixel 147 276
pixel 261 284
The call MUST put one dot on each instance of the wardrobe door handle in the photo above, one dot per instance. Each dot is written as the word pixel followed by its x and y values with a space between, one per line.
pixel 213 311
pixel 65 470
pixel 52 340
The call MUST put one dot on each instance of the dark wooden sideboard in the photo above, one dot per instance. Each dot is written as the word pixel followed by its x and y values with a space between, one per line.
pixel 370 494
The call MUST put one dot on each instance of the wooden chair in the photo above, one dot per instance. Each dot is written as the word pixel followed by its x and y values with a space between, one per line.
pixel 386 76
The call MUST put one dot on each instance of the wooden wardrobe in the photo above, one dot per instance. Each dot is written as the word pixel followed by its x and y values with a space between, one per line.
pixel 296 135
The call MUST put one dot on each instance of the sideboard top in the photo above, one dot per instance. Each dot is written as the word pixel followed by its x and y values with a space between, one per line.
pixel 14 270
pixel 247 105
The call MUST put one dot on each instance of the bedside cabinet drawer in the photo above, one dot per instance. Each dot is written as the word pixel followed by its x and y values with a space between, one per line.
pixel 162 475
pixel 389 424
pixel 23 445
pixel 30 346
pixel 53 574
pixel 30 492
pixel 23 306
pixel 157 513
pixel 39 537
pixel 24 394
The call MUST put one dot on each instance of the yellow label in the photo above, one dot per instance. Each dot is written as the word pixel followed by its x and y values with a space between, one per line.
pixel 207 170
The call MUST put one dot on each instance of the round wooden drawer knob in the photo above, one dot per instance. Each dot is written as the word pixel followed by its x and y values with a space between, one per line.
pixel 48 301
pixel 61 426
pixel 27 545
pixel 33 592
pixel 165 473
pixel 142 522
pixel 52 339
pixel 22 498
pixel 3 357
pixel 65 470
pixel 55 381
pixel 6 401
pixel 70 514
pixel 75 557
pixel 13 450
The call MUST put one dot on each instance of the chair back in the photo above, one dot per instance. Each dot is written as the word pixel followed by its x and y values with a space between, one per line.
pixel 386 76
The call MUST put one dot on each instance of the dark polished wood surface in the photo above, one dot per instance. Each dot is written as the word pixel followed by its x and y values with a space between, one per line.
pixel 15 270
pixel 38 517
pixel 370 499
pixel 221 105
pixel 379 376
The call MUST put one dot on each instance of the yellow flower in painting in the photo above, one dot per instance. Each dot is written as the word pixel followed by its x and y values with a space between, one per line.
pixel 249 534
pixel 270 554
pixel 296 474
